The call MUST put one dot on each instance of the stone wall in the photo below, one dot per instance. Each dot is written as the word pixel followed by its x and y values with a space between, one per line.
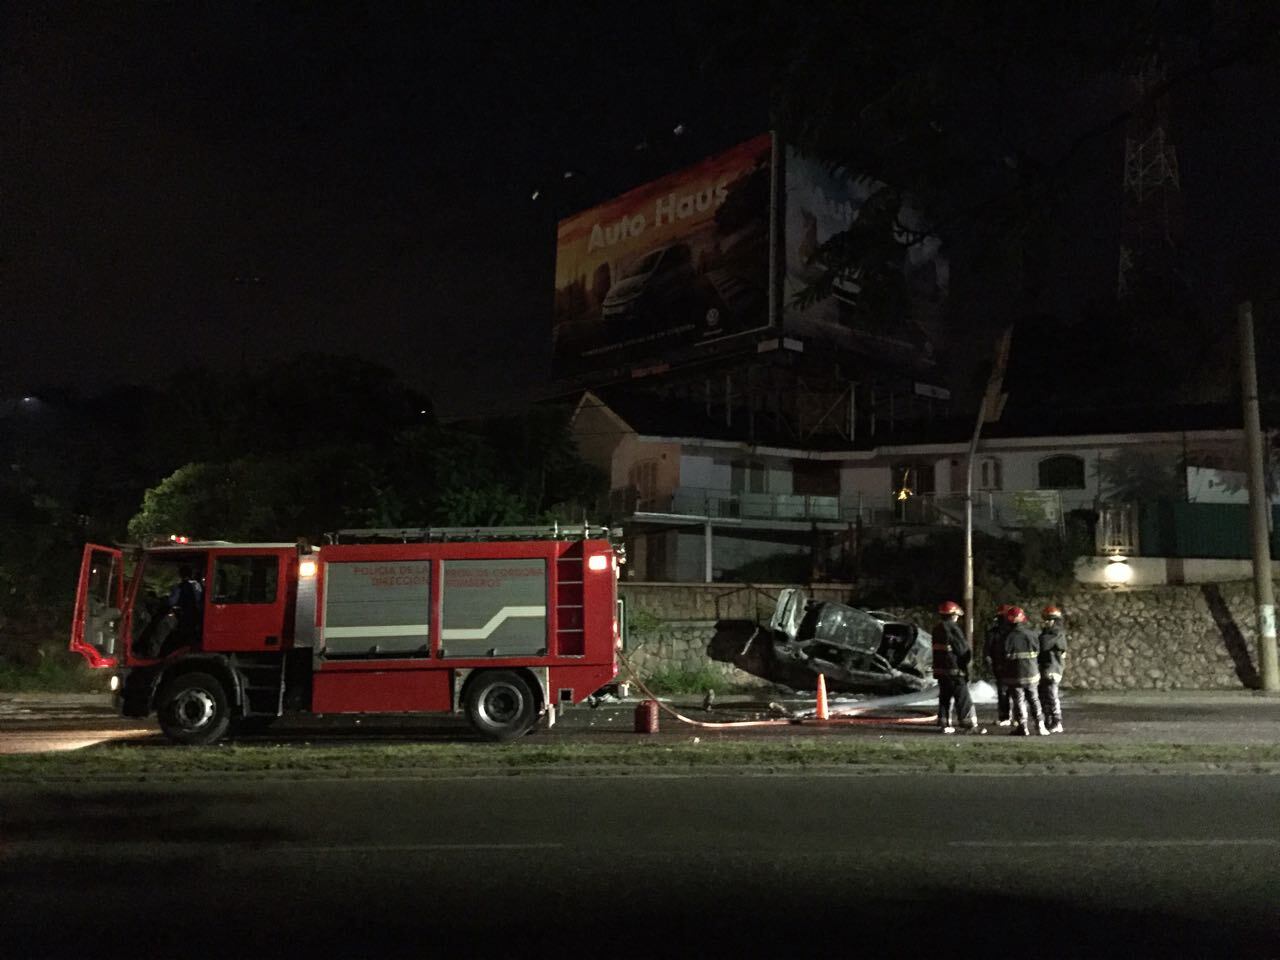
pixel 1199 636
pixel 717 601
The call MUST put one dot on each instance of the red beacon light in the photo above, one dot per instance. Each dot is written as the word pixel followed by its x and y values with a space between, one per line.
pixel 178 538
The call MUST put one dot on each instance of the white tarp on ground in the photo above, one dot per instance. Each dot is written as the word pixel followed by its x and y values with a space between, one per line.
pixel 981 692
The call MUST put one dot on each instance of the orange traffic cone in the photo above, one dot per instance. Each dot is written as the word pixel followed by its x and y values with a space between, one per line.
pixel 822 698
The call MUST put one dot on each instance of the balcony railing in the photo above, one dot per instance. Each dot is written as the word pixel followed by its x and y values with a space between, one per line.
pixel 1009 509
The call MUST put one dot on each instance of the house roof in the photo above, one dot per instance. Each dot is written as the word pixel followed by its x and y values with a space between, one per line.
pixel 655 416
pixel 1075 422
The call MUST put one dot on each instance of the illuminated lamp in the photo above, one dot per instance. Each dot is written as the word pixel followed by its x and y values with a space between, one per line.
pixel 307 568
pixel 905 492
pixel 1118 572
pixel 114 682
pixel 178 538
pixel 598 562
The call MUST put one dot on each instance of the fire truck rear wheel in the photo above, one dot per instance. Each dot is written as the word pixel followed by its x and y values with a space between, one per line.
pixel 193 709
pixel 501 705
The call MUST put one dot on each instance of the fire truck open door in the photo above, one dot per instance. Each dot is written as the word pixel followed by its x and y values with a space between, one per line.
pixel 95 625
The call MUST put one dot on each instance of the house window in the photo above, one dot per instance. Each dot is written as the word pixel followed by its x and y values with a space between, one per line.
pixel 1062 472
pixel 643 476
pixel 990 475
pixel 815 478
pixel 747 476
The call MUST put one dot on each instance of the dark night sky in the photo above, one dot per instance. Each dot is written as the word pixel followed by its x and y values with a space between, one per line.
pixel 372 165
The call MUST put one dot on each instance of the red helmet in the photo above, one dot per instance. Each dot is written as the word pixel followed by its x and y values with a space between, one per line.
pixel 949 608
pixel 1015 615
pixel 1051 613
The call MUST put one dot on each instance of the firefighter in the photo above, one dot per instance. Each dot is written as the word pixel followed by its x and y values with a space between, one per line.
pixel 1053 650
pixel 993 651
pixel 951 656
pixel 1022 674
pixel 186 601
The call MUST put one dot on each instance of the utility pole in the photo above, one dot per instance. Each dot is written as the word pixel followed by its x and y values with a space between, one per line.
pixel 992 405
pixel 1259 504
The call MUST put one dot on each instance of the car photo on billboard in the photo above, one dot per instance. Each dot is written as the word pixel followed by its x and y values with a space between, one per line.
pixel 662 283
pixel 900 324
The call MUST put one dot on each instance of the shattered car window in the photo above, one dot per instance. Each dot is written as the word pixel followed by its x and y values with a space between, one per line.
pixel 847 626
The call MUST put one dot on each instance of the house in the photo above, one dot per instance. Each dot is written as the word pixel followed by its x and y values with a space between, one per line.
pixel 705 498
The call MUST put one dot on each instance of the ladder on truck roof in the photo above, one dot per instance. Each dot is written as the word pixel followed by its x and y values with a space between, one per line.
pixel 555 531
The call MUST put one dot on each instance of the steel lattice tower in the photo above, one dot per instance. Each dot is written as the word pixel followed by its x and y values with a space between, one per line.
pixel 1151 221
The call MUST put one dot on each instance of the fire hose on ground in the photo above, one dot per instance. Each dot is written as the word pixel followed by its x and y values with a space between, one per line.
pixel 854 716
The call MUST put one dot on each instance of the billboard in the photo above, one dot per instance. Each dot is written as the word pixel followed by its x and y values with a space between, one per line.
pixel 821 203
pixel 668 269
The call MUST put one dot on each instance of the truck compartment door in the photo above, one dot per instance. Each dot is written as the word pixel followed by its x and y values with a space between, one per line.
pixel 494 608
pixel 95 624
pixel 377 609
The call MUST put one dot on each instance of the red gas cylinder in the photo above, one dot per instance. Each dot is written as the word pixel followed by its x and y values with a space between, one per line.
pixel 647 716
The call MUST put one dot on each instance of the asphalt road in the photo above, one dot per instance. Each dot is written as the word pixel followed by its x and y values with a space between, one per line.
pixel 35 723
pixel 780 865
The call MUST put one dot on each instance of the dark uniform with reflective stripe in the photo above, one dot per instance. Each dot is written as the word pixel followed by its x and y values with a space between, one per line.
pixel 1022 673
pixel 993 649
pixel 1053 648
pixel 951 656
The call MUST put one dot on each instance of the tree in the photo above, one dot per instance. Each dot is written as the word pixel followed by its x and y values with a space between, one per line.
pixel 508 470
pixel 980 116
pixel 981 125
pixel 538 453
pixel 521 470
pixel 269 498
pixel 40 541
pixel 295 403
pixel 1131 476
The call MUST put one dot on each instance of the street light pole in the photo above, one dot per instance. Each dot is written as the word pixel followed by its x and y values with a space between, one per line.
pixel 992 404
pixel 1259 504
pixel 968 524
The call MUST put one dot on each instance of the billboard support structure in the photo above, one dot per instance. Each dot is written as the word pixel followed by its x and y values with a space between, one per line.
pixel 697 273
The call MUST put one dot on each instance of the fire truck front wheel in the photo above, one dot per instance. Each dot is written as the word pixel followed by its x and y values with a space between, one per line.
pixel 193 709
pixel 501 705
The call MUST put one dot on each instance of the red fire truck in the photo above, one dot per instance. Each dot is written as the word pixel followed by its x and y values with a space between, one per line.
pixel 506 624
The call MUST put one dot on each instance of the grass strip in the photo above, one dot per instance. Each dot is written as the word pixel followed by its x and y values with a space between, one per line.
pixel 65 673
pixel 133 762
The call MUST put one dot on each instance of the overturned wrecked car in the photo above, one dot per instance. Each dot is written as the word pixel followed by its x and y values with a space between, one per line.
pixel 858 651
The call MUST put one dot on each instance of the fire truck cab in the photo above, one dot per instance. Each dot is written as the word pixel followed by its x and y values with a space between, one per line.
pixel 505 624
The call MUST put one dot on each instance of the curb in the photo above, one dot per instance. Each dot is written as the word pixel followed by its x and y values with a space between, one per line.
pixel 671 772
